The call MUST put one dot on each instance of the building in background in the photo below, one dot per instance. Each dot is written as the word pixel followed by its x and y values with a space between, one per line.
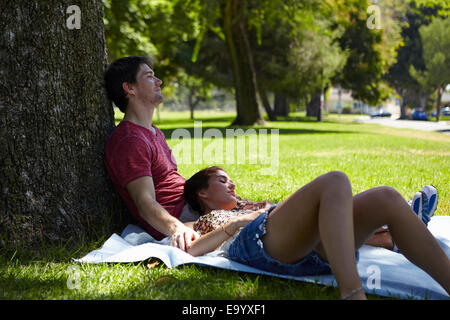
pixel 341 101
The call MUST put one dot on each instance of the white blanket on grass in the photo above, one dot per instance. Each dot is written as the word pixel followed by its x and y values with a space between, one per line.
pixel 382 272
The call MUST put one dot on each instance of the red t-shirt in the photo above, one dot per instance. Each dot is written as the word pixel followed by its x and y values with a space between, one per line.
pixel 133 151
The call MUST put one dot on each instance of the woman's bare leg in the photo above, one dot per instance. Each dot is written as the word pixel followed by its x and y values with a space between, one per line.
pixel 384 205
pixel 319 211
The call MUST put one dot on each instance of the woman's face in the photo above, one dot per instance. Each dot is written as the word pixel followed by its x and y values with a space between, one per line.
pixel 220 193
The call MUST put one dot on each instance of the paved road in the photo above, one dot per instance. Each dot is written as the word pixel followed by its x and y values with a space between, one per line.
pixel 441 126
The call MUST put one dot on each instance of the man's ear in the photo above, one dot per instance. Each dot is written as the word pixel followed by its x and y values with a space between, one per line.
pixel 128 88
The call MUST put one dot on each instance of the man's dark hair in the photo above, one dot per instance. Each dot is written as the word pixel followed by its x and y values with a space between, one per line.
pixel 120 71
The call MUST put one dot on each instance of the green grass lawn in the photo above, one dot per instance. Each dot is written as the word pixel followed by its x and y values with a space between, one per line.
pixel 371 155
pixel 441 118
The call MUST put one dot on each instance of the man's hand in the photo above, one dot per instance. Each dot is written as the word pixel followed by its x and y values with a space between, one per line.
pixel 183 237
pixel 142 191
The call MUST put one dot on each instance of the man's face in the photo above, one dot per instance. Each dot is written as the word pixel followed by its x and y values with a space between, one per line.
pixel 148 87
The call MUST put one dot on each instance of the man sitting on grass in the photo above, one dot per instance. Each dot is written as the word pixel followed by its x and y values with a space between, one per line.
pixel 137 157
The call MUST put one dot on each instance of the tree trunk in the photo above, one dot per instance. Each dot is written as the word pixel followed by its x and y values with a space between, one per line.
pixel 313 108
pixel 265 100
pixel 244 76
pixel 193 102
pixel 403 104
pixel 281 105
pixel 55 118
pixel 440 91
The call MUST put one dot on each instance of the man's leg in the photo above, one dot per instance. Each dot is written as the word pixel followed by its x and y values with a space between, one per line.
pixel 385 206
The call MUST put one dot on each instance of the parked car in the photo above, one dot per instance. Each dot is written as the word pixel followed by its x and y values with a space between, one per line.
pixel 380 113
pixel 419 114
pixel 444 112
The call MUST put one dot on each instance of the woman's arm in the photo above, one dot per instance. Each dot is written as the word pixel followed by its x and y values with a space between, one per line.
pixel 189 224
pixel 210 241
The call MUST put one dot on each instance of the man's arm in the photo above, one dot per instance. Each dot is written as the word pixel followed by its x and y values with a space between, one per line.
pixel 142 191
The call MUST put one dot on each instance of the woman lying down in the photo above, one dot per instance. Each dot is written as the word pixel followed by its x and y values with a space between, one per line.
pixel 316 230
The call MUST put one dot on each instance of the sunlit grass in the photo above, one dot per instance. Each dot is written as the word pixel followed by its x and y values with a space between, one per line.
pixel 371 155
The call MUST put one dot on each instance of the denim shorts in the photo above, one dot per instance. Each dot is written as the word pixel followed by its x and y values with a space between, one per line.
pixel 248 249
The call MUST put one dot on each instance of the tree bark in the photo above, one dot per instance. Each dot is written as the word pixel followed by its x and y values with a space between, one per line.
pixel 244 76
pixel 55 118
pixel 281 105
pixel 265 100
pixel 193 102
pixel 313 108
pixel 440 91
pixel 403 104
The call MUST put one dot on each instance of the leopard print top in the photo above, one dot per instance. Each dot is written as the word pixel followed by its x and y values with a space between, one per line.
pixel 217 218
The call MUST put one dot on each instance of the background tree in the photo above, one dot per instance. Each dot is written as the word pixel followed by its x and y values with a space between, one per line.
pixel 154 28
pixel 371 49
pixel 218 49
pixel 293 49
pixel 436 55
pixel 198 90
pixel 410 54
pixel 296 55
pixel 442 5
pixel 55 118
pixel 235 29
pixel 125 29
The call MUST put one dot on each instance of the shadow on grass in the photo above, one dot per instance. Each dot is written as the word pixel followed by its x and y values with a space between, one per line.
pixel 211 123
pixel 190 131
pixel 50 252
pixel 17 288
